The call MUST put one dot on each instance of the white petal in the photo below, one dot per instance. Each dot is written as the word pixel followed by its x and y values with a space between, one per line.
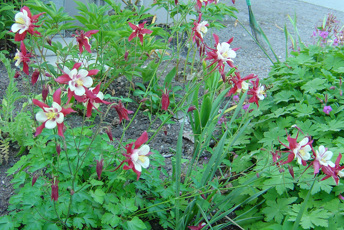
pixel 80 90
pixel 134 156
pixel 304 141
pixel 143 150
pixel 231 53
pixel 322 150
pixel 137 166
pixel 145 163
pixel 59 118
pixel 56 106
pixel 87 81
pixel 328 155
pixel 50 124
pixel 83 73
pixel 330 163
pixel 72 74
pixel 41 117
pixel 15 27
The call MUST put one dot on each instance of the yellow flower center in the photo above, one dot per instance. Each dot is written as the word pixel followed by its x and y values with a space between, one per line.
pixel 142 159
pixel 203 29
pixel 323 160
pixel 51 115
pixel 302 152
pixel 225 54
pixel 79 82
pixel 20 21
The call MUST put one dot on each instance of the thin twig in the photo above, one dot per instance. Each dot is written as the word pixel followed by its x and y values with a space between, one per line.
pixel 234 222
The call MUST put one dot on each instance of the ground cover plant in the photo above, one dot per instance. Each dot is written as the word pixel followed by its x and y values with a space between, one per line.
pixel 78 177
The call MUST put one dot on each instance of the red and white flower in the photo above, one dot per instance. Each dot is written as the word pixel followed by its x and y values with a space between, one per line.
pixel 257 92
pixel 52 116
pixel 77 80
pixel 199 29
pixel 137 158
pixel 22 57
pixel 24 23
pixel 239 84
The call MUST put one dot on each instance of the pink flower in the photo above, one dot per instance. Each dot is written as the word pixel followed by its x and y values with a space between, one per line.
pixel 327 109
pixel 298 150
pixel 45 92
pixel 24 23
pixel 109 133
pixel 34 179
pixel 54 189
pixel 221 55
pixel 322 159
pixel 239 83
pixel 165 100
pixel 23 57
pixel 257 92
pixel 77 80
pixel 122 111
pixel 83 39
pixel 137 158
pixel 58 149
pixel 199 29
pixel 138 31
pixel 191 108
pixel 52 116
pixel 99 168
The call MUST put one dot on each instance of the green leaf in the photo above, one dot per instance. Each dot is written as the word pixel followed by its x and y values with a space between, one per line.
pixel 169 77
pixel 111 219
pixel 128 204
pixel 315 85
pixel 78 222
pixel 278 209
pixel 96 182
pixel 98 195
pixel 303 110
pixel 6 222
pixel 311 219
pixel 281 182
pixel 136 224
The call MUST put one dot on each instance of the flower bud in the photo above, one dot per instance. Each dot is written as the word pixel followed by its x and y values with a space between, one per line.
pixel 191 108
pixel 48 75
pixel 332 87
pixel 126 55
pixel 17 74
pixel 34 179
pixel 99 168
pixel 54 190
pixel 170 39
pixel 48 40
pixel 291 171
pixel 45 92
pixel 109 133
pixel 58 149
pixel 143 100
pixel 35 76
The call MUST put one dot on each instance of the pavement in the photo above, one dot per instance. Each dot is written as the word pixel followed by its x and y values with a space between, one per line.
pixel 272 16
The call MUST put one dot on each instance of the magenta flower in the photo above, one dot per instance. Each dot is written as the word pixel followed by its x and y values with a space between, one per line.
pixel 77 80
pixel 138 31
pixel 206 2
pixel 23 57
pixel 34 76
pixel 165 99
pixel 52 116
pixel 336 172
pixel 24 23
pixel 54 189
pixel 109 133
pixel 34 179
pixel 122 111
pixel 137 158
pixel 322 159
pixel 83 39
pixel 327 109
pixel 257 92
pixel 198 227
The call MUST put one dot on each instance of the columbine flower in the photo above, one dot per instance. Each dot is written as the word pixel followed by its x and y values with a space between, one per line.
pixel 335 172
pixel 122 111
pixel 165 100
pixel 221 55
pixel 77 80
pixel 137 158
pixel 23 57
pixel 83 39
pixel 92 99
pixel 52 116
pixel 138 31
pixel 54 189
pixel 322 159
pixel 257 92
pixel 24 23
pixel 327 109
pixel 199 29
pixel 298 150
pixel 239 84
pixel 34 76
